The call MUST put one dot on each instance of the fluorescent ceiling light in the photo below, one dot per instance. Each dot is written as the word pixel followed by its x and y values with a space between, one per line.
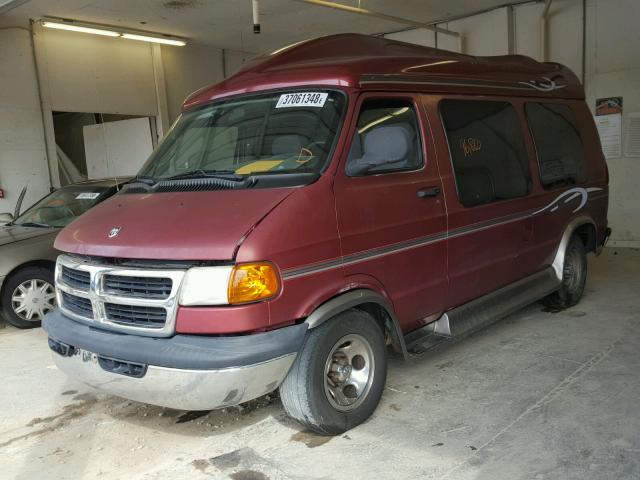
pixel 145 38
pixel 97 29
pixel 77 28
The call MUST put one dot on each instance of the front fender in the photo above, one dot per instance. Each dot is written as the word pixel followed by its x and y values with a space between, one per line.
pixel 352 299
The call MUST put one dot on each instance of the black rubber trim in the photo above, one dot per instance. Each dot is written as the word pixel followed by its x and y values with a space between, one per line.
pixel 186 352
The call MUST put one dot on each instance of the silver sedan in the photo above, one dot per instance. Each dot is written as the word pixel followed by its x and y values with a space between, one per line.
pixel 27 256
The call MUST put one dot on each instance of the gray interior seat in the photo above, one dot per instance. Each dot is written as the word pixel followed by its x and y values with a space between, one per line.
pixel 385 145
pixel 287 145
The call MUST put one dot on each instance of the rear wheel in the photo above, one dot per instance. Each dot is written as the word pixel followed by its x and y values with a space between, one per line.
pixel 27 296
pixel 574 277
pixel 337 380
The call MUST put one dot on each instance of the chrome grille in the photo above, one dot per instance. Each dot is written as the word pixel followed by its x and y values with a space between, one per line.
pixel 138 287
pixel 129 299
pixel 151 317
pixel 76 278
pixel 78 305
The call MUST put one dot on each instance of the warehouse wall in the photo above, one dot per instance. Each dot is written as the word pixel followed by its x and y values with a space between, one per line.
pixel 90 73
pixel 86 73
pixel 612 68
pixel 22 149
pixel 187 69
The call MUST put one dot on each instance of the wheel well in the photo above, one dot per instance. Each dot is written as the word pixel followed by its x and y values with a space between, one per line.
pixel 587 233
pixel 382 317
pixel 32 263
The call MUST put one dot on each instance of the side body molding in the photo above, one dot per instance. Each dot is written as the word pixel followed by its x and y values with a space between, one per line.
pixel 355 298
pixel 558 261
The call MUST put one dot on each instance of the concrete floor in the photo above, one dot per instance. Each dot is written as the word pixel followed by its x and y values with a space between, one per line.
pixel 539 395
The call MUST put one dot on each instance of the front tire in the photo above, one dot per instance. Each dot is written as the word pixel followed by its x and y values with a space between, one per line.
pixel 27 296
pixel 574 277
pixel 337 380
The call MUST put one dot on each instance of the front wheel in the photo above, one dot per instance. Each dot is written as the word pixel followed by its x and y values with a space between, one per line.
pixel 27 296
pixel 574 277
pixel 337 380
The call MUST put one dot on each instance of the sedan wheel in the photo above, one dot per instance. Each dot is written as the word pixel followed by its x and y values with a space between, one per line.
pixel 27 296
pixel 32 299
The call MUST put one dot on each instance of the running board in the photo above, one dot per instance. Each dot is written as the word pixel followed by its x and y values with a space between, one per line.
pixel 483 311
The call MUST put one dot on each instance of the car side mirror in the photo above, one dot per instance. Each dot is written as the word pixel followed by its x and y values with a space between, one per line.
pixel 6 218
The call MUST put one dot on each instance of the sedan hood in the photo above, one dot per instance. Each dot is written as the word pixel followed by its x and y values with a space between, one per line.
pixel 16 233
pixel 170 226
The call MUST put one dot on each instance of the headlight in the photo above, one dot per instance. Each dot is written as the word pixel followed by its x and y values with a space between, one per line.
pixel 205 286
pixel 242 283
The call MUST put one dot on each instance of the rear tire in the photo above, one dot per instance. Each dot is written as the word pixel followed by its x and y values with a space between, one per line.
pixel 337 380
pixel 574 277
pixel 27 296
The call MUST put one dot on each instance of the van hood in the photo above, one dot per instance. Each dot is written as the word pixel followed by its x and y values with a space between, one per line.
pixel 16 233
pixel 170 226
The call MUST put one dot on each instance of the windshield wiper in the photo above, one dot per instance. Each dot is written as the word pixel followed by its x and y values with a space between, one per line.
pixel 32 224
pixel 146 179
pixel 199 173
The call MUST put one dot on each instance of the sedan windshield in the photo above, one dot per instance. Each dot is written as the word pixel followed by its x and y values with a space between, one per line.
pixel 284 132
pixel 59 208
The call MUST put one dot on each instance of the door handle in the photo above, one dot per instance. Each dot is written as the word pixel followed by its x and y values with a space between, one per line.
pixel 429 192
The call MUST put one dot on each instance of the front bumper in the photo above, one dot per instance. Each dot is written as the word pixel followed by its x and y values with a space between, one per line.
pixel 185 372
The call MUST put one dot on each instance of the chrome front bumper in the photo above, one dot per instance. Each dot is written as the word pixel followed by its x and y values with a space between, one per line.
pixel 181 389
pixel 185 372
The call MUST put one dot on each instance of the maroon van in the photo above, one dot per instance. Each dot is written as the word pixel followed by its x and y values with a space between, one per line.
pixel 332 200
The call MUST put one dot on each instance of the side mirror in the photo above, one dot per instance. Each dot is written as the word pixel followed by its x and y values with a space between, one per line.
pixel 6 218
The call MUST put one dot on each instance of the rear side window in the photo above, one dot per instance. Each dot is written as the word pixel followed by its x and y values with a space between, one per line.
pixel 558 144
pixel 386 140
pixel 487 150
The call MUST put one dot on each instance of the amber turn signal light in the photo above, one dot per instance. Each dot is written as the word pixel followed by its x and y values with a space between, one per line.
pixel 251 282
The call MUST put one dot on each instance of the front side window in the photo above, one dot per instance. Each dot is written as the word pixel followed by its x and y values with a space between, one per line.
pixel 61 207
pixel 487 150
pixel 387 138
pixel 558 144
pixel 283 132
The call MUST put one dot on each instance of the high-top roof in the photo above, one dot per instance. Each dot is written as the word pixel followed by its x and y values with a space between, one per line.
pixel 362 61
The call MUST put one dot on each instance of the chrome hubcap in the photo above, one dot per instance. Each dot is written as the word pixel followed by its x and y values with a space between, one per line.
pixel 572 272
pixel 348 372
pixel 32 299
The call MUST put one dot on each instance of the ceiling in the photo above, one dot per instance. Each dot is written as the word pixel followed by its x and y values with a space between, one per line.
pixel 228 23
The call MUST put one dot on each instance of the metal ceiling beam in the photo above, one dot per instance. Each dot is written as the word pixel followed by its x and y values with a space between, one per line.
pixel 382 16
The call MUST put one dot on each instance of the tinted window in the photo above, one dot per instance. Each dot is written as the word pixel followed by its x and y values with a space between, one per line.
pixel 386 140
pixel 487 150
pixel 558 144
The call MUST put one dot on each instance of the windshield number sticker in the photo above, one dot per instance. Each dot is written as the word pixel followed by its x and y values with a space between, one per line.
pixel 302 99
pixel 87 196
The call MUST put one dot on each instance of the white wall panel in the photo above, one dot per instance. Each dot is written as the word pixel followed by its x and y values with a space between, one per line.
pixel 22 149
pixel 484 34
pixel 419 36
pixel 115 149
pixel 186 70
pixel 234 59
pixel 90 73
pixel 613 69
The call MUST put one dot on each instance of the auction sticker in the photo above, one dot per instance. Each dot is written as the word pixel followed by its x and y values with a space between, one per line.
pixel 87 196
pixel 302 99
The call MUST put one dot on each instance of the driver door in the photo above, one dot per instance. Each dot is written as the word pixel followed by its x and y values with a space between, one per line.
pixel 390 210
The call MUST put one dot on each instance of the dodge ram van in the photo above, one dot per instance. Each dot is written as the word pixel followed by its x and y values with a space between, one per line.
pixel 333 201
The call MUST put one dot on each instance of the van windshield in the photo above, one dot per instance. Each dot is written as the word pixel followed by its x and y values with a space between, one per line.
pixel 286 132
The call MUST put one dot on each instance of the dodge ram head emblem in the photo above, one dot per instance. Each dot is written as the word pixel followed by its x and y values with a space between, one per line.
pixel 114 232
